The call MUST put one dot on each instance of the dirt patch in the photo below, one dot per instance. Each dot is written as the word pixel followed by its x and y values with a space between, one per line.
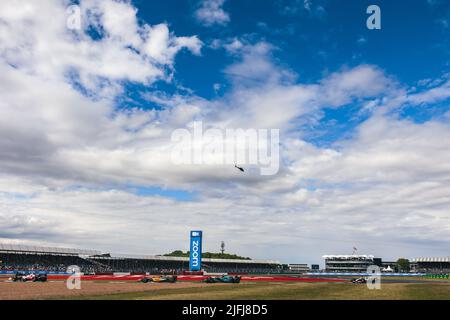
pixel 35 290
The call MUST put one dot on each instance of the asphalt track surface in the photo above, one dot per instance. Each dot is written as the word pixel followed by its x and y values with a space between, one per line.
pixel 199 278
pixel 262 278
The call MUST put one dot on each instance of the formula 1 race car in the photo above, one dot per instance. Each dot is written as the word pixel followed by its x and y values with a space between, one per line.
pixel 159 279
pixel 359 280
pixel 223 279
pixel 41 277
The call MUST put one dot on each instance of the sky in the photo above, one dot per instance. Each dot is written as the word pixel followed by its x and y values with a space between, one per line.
pixel 87 114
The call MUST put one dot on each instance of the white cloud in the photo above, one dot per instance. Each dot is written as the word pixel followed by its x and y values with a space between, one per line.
pixel 385 150
pixel 35 38
pixel 431 95
pixel 256 65
pixel 268 95
pixel 364 81
pixel 210 12
pixel 162 48
pixel 294 7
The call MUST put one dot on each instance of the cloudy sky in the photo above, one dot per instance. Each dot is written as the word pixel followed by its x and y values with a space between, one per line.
pixel 86 117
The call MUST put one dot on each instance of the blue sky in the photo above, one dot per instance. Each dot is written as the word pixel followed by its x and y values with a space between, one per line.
pixel 312 43
pixel 87 115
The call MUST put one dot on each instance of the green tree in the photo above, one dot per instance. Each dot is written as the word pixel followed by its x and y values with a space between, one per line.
pixel 403 265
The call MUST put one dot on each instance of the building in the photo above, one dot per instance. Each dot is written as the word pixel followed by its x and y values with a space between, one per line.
pixel 431 265
pixel 298 267
pixel 348 263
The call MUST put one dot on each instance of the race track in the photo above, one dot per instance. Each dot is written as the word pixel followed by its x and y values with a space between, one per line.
pixel 200 278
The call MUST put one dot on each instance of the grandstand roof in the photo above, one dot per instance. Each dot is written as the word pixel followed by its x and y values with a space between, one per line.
pixel 49 250
pixel 442 259
pixel 349 256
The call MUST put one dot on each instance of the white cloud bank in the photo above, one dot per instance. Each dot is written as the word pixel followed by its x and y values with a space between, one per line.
pixel 66 157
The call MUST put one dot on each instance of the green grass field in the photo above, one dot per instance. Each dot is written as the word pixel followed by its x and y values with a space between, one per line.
pixel 292 291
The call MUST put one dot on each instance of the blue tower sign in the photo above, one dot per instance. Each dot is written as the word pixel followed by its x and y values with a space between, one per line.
pixel 195 256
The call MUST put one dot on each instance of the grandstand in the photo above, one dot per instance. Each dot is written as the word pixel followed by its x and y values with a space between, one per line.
pixel 431 265
pixel 348 263
pixel 57 260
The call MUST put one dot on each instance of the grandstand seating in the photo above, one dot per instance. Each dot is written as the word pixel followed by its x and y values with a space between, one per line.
pixel 44 262
pixel 58 260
